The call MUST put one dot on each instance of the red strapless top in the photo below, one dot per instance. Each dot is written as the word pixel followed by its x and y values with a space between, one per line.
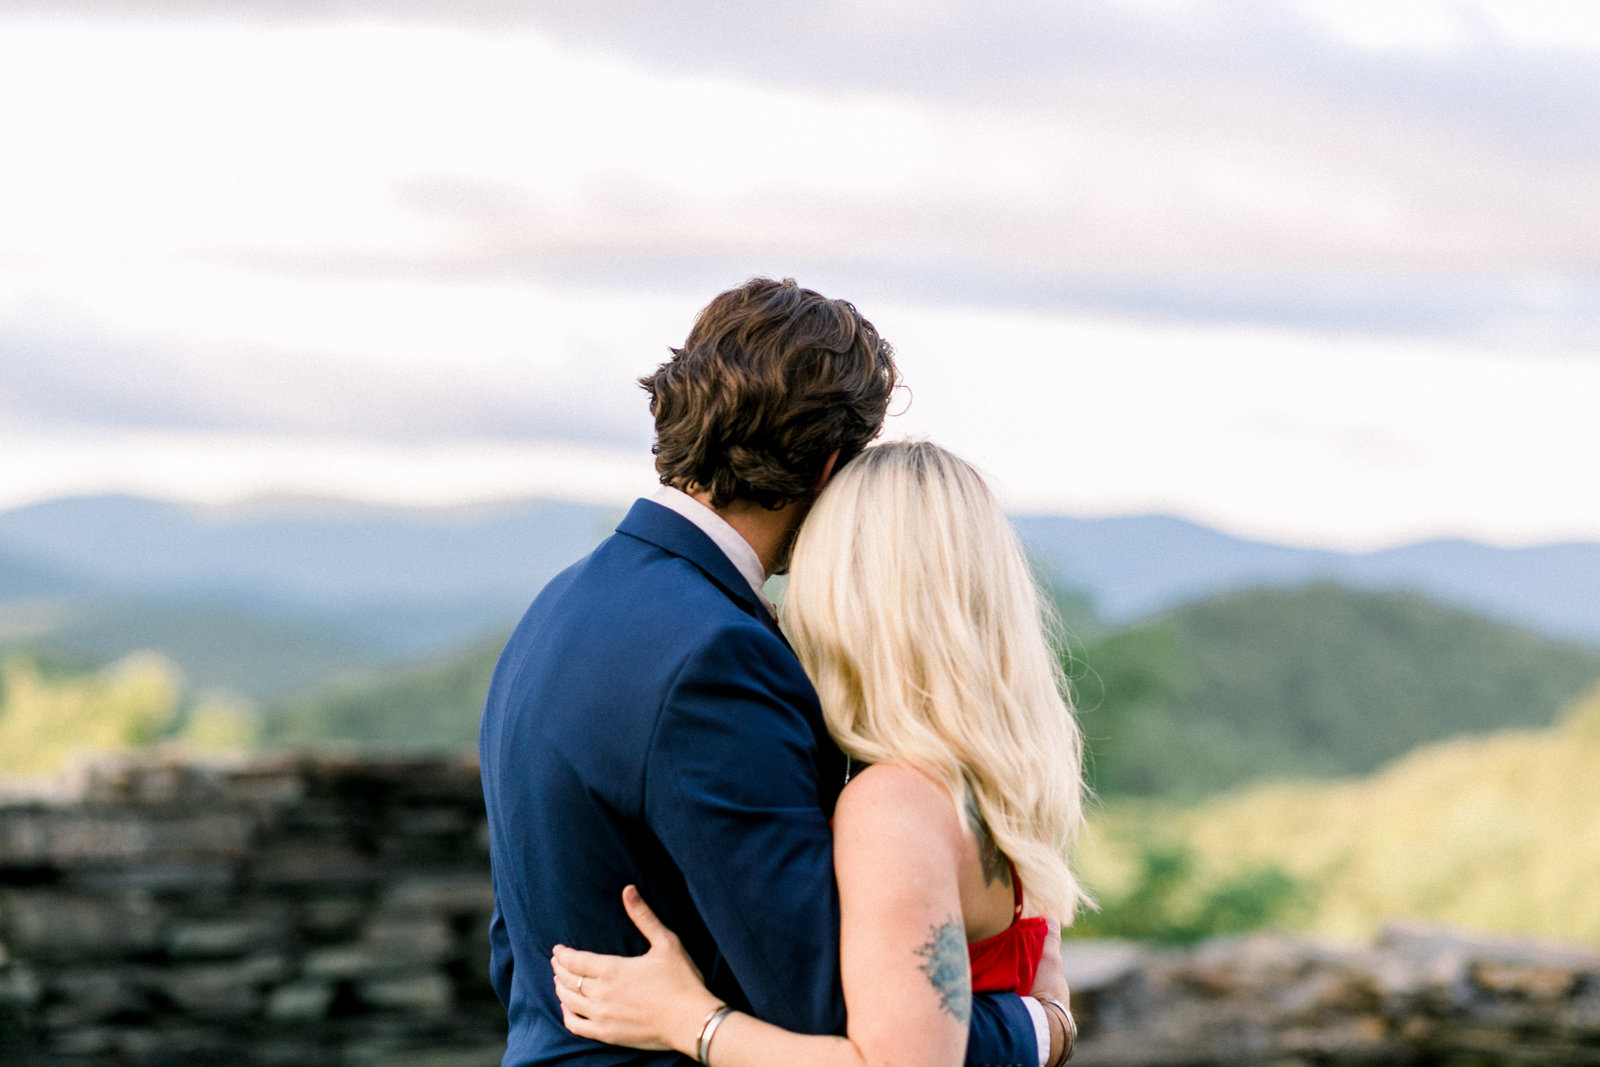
pixel 1009 961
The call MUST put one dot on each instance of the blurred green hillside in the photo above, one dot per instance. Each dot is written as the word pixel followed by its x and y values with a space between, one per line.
pixel 1317 682
pixel 1499 833
pixel 49 713
pixel 436 705
pixel 252 655
pixel 1207 729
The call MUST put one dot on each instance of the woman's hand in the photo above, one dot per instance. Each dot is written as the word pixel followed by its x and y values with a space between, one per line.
pixel 1051 980
pixel 654 1001
pixel 1051 984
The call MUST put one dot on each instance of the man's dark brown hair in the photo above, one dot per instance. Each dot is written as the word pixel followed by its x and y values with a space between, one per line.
pixel 772 380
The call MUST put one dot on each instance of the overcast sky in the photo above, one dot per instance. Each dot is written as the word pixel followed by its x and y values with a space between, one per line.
pixel 1322 271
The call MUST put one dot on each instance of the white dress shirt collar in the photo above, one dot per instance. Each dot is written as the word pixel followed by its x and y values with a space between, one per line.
pixel 714 526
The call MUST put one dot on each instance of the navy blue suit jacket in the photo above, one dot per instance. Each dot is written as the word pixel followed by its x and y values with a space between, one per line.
pixel 648 724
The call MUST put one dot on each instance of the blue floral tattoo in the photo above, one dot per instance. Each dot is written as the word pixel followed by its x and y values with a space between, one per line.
pixel 945 962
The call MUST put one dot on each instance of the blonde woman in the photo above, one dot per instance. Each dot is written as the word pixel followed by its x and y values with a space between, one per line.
pixel 912 609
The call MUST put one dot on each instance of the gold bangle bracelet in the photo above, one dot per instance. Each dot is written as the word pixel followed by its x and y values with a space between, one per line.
pixel 708 1030
pixel 1069 1022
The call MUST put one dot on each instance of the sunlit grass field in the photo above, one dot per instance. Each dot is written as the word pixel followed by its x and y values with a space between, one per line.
pixel 1499 833
pixel 47 717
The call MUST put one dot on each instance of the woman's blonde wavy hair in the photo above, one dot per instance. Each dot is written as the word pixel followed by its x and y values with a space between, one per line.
pixel 913 610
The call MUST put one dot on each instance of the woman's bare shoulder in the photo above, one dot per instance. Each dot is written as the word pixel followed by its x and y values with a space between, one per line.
pixel 890 801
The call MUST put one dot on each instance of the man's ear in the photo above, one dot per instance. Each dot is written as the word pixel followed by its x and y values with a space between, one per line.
pixel 827 471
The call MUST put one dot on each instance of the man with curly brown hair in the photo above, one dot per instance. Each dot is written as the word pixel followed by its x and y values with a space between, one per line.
pixel 647 723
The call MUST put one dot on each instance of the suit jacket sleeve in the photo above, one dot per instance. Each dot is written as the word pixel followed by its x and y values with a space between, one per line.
pixel 1002 1033
pixel 732 792
pixel 500 958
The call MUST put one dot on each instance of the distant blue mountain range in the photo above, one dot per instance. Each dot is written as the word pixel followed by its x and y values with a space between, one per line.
pixel 1135 567
pixel 409 582
pixel 413 582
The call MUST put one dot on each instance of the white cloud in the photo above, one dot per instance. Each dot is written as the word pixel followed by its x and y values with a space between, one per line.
pixel 216 468
pixel 1454 25
pixel 312 137
pixel 1561 24
pixel 303 137
pixel 391 360
pixel 1353 442
pixel 394 149
pixel 290 249
pixel 1427 24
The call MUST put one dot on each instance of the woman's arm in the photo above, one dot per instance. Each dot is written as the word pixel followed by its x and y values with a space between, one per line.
pixel 904 963
pixel 659 1001
pixel 903 947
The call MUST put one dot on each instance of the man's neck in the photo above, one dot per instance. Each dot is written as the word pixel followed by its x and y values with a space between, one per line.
pixel 770 531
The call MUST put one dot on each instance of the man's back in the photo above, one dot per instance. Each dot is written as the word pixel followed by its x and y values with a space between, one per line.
pixel 648 725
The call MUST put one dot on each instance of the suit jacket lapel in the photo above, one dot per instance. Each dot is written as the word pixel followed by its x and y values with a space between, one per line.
pixel 671 532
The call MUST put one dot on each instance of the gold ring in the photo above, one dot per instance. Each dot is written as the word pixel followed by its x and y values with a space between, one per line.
pixel 581 977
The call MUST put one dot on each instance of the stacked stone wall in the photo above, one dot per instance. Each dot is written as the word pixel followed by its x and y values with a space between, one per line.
pixel 1420 997
pixel 292 911
pixel 300 911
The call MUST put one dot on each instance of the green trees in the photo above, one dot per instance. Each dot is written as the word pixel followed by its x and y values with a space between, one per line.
pixel 433 706
pixel 1498 832
pixel 1317 682
pixel 1208 729
pixel 1170 900
pixel 48 715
